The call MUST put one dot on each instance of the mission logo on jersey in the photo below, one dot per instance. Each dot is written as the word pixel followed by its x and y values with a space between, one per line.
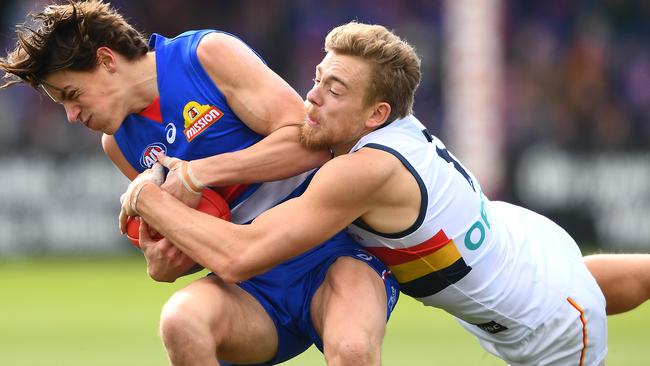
pixel 198 118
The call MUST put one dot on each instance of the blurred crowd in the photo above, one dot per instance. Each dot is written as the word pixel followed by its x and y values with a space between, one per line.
pixel 288 34
pixel 577 72
pixel 576 82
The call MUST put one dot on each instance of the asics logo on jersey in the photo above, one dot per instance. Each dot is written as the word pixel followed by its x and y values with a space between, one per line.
pixel 170 133
pixel 150 154
pixel 198 118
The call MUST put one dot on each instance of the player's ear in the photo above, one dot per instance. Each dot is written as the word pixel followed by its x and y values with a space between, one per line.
pixel 106 58
pixel 379 115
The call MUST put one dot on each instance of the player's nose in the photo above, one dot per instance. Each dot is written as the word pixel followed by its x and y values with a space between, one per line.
pixel 72 112
pixel 313 96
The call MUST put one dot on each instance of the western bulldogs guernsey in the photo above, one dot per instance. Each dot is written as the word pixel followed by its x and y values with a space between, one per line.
pixel 501 269
pixel 192 120
pixel 196 122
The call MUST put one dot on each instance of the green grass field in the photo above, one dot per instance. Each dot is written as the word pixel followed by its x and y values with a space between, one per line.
pixel 104 311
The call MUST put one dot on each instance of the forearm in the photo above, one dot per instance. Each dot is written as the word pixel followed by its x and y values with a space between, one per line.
pixel 279 155
pixel 213 243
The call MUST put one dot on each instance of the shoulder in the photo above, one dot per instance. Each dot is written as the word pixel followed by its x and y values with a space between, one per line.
pixel 113 151
pixel 376 159
pixel 230 62
pixel 225 47
pixel 365 171
pixel 214 40
pixel 109 144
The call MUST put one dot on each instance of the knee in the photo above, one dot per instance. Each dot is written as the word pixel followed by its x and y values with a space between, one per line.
pixel 177 319
pixel 351 350
pixel 183 320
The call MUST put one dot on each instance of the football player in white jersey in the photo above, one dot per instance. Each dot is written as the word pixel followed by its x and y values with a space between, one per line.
pixel 513 278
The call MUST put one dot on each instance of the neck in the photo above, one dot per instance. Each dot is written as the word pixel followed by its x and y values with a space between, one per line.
pixel 345 147
pixel 142 83
pixel 339 150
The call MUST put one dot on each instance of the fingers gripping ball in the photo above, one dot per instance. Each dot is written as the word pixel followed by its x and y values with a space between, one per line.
pixel 211 203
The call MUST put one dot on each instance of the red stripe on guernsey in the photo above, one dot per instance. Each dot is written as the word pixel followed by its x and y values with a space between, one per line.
pixel 153 111
pixel 230 193
pixel 392 257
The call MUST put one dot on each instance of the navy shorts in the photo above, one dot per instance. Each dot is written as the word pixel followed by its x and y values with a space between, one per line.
pixel 286 292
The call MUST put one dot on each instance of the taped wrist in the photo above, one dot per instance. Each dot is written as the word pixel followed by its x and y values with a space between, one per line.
pixel 190 182
pixel 135 194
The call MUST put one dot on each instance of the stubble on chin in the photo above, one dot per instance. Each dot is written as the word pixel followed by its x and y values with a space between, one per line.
pixel 309 138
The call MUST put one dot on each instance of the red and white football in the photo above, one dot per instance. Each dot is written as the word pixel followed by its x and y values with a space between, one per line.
pixel 211 203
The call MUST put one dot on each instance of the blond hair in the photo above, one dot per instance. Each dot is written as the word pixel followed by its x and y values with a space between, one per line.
pixel 395 74
pixel 67 37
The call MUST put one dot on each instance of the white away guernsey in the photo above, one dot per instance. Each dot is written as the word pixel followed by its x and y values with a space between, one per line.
pixel 500 267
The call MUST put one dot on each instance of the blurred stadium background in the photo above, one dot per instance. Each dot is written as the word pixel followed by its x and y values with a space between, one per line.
pixel 547 102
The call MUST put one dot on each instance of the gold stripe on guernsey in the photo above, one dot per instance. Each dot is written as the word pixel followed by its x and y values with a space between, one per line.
pixel 584 329
pixel 440 259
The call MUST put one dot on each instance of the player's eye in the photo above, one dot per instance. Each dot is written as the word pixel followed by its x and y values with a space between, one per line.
pixel 73 94
pixel 334 93
pixel 316 80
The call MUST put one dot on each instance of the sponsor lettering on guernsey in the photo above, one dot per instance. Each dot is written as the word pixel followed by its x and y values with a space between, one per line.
pixel 198 118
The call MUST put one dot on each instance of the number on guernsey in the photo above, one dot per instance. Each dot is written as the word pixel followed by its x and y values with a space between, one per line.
pixel 446 156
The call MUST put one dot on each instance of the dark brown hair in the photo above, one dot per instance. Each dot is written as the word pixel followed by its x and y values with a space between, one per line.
pixel 66 37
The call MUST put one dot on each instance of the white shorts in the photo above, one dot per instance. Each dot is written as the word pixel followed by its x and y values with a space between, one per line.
pixel 575 335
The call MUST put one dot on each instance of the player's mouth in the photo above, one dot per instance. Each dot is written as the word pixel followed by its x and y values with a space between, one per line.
pixel 312 121
pixel 86 121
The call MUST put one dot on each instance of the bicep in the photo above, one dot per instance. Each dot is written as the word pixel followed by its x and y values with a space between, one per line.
pixel 256 94
pixel 327 207
pixel 336 196
pixel 302 222
pixel 112 150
